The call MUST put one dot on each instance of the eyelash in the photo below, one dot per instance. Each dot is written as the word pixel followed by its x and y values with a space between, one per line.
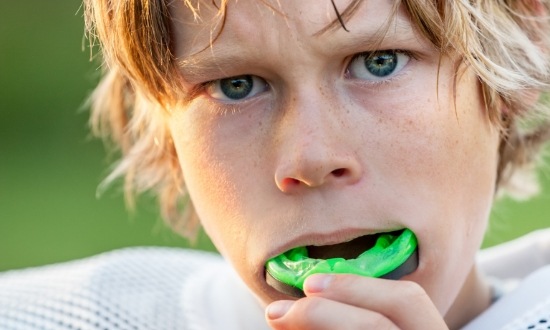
pixel 379 83
pixel 232 107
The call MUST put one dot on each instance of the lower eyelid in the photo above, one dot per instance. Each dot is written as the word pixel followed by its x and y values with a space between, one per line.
pixel 403 74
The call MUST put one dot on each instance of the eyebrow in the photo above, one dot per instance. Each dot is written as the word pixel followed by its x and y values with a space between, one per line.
pixel 374 37
pixel 199 65
pixel 395 31
pixel 213 61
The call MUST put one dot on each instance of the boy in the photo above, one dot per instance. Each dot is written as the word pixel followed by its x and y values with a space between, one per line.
pixel 315 124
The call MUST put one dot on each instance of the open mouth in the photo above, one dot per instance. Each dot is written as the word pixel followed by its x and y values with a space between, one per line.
pixel 387 255
pixel 346 250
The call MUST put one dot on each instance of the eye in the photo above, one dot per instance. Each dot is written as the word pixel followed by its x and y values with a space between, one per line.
pixel 236 88
pixel 378 65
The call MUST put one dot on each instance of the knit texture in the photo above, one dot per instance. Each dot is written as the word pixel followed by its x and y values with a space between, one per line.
pixel 169 288
pixel 129 289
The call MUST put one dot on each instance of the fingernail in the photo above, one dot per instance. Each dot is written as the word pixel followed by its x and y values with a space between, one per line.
pixel 278 309
pixel 317 283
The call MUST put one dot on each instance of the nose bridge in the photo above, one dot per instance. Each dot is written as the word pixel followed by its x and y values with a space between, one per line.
pixel 313 147
pixel 307 122
pixel 311 126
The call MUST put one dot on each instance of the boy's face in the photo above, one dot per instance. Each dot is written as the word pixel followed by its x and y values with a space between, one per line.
pixel 316 143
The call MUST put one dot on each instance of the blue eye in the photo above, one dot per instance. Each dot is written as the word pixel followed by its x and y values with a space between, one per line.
pixel 236 88
pixel 377 66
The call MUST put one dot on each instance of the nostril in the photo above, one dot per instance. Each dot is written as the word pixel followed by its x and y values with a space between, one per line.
pixel 289 182
pixel 339 172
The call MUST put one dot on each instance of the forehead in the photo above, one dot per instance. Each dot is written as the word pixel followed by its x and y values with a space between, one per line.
pixel 283 22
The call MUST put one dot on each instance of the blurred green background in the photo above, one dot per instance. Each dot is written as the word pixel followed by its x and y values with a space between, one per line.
pixel 50 167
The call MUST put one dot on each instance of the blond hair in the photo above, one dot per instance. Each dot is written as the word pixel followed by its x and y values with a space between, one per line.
pixel 505 42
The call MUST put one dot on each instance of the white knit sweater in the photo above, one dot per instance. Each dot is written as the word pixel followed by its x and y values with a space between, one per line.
pixel 130 289
pixel 167 288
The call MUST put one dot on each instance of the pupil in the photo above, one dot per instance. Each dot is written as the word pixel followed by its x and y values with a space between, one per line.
pixel 237 88
pixel 381 64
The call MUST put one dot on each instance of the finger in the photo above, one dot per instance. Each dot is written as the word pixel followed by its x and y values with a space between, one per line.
pixel 323 314
pixel 405 303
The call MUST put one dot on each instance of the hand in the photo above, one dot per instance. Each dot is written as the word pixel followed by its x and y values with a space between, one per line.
pixel 355 302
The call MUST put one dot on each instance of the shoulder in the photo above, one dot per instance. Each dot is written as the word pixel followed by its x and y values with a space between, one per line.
pixel 134 288
pixel 517 258
pixel 526 307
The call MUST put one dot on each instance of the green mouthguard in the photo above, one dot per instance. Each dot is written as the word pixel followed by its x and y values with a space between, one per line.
pixel 390 251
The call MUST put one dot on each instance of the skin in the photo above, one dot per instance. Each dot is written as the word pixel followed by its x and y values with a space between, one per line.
pixel 323 155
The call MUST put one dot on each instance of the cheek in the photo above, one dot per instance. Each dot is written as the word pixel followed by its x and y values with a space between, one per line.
pixel 449 165
pixel 206 173
pixel 222 176
pixel 227 187
pixel 421 148
pixel 432 161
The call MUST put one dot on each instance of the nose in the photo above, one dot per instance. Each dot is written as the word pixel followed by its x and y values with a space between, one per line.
pixel 316 148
